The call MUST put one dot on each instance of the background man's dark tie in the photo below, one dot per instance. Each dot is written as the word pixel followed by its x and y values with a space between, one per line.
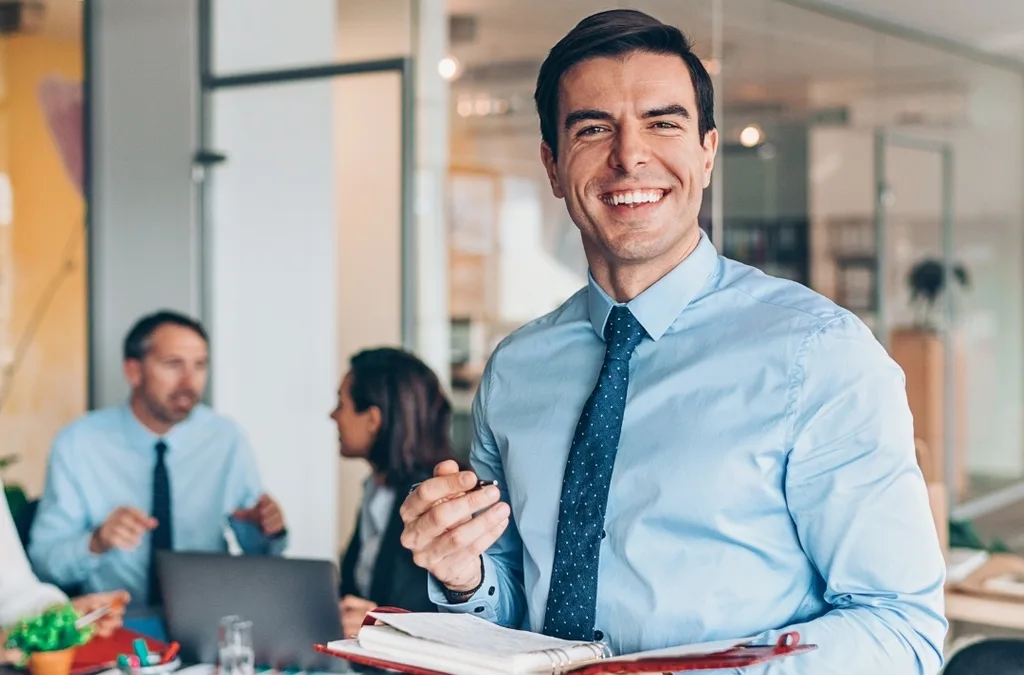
pixel 572 598
pixel 161 538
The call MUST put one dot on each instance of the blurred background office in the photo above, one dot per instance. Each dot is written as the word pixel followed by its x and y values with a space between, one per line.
pixel 311 178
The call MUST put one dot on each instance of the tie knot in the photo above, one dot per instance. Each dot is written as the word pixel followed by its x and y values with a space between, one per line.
pixel 622 334
pixel 161 450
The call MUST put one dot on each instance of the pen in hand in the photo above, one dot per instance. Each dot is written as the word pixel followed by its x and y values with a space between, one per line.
pixel 480 485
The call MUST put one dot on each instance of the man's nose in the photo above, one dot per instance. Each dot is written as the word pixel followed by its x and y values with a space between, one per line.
pixel 630 150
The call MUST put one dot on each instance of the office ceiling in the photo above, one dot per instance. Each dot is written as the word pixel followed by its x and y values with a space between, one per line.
pixel 993 26
pixel 775 53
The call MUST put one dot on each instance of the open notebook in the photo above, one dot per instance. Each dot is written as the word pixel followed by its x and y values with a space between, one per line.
pixel 463 644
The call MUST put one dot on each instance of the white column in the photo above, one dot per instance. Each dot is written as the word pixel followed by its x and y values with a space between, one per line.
pixel 273 262
pixel 143 241
pixel 433 325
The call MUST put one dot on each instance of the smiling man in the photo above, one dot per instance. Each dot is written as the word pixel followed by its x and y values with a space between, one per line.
pixel 160 472
pixel 688 449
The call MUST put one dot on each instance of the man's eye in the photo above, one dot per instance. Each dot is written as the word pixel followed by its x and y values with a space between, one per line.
pixel 665 125
pixel 590 131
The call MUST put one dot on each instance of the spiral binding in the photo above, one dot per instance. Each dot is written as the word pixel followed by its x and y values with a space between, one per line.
pixel 560 661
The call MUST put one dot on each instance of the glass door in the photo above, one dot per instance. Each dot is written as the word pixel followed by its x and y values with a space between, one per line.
pixel 915 279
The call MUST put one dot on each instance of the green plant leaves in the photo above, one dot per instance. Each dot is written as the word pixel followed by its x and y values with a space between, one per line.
pixel 51 631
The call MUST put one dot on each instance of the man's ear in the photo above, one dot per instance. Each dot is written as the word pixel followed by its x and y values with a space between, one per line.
pixel 551 166
pixel 710 146
pixel 133 372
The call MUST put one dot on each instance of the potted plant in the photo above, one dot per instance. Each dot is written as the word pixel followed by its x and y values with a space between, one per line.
pixel 918 347
pixel 927 281
pixel 49 640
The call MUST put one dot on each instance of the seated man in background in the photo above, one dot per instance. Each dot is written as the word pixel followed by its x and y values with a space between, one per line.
pixel 162 471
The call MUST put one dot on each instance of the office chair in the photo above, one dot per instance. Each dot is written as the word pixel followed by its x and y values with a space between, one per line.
pixel 993 656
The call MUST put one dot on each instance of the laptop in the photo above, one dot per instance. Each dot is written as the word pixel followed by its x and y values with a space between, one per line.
pixel 293 604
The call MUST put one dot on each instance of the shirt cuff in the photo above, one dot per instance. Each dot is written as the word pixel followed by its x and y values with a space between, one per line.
pixel 87 560
pixel 483 603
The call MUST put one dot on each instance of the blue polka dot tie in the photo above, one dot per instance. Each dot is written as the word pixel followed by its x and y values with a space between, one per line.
pixel 572 598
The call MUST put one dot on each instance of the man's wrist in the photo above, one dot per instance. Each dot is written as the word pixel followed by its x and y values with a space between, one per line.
pixel 95 547
pixel 456 597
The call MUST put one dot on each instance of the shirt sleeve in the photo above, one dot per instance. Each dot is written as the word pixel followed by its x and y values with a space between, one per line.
pixel 21 593
pixel 860 506
pixel 502 597
pixel 61 531
pixel 249 488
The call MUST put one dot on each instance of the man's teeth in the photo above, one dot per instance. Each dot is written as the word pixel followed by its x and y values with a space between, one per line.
pixel 634 197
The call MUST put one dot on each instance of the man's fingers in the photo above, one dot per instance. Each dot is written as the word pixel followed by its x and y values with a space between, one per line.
pixel 446 516
pixel 462 538
pixel 487 539
pixel 137 517
pixel 123 537
pixel 134 527
pixel 436 489
pixel 446 468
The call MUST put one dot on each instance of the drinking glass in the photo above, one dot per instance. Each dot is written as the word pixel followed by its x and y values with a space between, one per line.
pixel 236 654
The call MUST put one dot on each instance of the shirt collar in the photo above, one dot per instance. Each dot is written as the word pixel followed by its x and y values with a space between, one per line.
pixel 140 437
pixel 659 306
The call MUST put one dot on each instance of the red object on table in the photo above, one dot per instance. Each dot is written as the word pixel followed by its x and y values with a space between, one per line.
pixel 101 653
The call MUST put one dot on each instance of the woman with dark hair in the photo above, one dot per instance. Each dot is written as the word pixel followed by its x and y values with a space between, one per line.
pixel 393 413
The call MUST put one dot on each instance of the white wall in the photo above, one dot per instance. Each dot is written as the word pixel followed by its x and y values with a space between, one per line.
pixel 273 263
pixel 144 246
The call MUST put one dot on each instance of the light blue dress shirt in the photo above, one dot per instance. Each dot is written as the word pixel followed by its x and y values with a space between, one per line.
pixel 106 459
pixel 765 479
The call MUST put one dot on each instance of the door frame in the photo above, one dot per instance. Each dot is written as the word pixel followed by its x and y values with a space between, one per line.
pixel 206 155
pixel 884 140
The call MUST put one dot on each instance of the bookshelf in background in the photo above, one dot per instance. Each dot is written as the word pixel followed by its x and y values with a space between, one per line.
pixel 780 246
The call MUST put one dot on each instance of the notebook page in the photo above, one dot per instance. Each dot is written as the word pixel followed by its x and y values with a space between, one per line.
pixel 697 649
pixel 472 633
pixel 430 656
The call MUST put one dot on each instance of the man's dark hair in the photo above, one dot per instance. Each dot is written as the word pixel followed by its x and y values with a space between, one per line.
pixel 137 342
pixel 415 414
pixel 618 33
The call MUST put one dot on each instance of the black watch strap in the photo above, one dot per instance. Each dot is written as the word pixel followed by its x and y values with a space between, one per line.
pixel 455 597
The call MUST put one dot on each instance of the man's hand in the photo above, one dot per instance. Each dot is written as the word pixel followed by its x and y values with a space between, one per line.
pixel 353 611
pixel 265 514
pixel 110 621
pixel 9 656
pixel 123 529
pixel 441 531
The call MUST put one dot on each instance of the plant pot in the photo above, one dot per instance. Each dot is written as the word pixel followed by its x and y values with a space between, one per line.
pixel 51 663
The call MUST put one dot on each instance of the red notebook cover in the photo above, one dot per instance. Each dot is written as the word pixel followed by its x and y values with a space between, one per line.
pixel 738 657
pixel 101 653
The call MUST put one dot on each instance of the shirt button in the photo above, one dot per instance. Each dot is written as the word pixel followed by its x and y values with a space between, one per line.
pixel 598 635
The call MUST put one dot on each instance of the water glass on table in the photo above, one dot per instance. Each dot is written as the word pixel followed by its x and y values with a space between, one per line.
pixel 236 653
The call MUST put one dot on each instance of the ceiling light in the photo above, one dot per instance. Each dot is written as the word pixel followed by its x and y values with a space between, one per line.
pixel 448 67
pixel 750 136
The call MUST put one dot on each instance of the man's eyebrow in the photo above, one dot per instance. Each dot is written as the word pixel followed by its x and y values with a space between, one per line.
pixel 577 116
pixel 667 111
pixel 592 114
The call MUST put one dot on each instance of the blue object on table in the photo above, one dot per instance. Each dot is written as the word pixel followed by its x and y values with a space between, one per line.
pixel 141 651
pixel 150 625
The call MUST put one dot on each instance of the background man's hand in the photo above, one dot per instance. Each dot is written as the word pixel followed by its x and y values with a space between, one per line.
pixel 353 611
pixel 265 514
pixel 110 621
pixel 123 529
pixel 441 531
